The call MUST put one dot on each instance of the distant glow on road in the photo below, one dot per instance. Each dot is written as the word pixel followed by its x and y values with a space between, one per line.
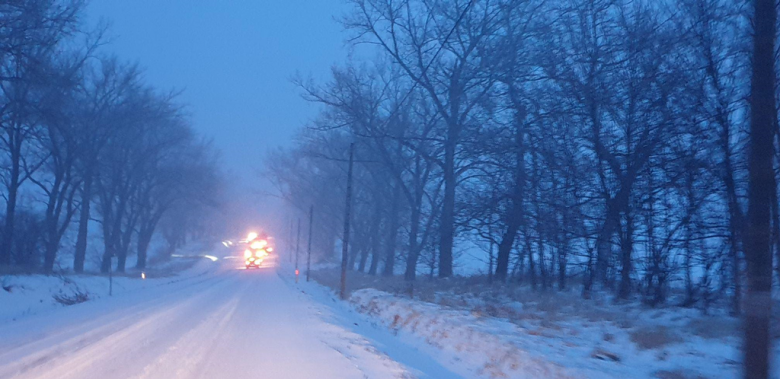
pixel 213 258
pixel 225 243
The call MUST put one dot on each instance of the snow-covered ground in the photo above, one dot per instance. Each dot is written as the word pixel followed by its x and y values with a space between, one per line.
pixel 495 347
pixel 215 322
pixel 551 334
pixel 25 295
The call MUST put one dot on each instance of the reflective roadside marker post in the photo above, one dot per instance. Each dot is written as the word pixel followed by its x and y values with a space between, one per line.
pixel 308 255
pixel 297 249
pixel 345 241
pixel 110 275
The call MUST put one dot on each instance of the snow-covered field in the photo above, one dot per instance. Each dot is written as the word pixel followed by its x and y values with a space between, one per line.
pixel 25 295
pixel 555 335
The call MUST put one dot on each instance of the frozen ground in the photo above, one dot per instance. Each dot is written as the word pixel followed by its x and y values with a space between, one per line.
pixel 215 322
pixel 25 295
pixel 512 332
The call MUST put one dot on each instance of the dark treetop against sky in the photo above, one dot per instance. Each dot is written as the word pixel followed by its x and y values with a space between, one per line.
pixel 233 59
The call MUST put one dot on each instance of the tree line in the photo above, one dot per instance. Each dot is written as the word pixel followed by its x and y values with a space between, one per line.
pixel 86 141
pixel 596 142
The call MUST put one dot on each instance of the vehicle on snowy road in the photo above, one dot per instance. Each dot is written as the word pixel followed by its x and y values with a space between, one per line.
pixel 257 250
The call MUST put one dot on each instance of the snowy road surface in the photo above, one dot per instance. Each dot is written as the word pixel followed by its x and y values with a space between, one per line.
pixel 228 323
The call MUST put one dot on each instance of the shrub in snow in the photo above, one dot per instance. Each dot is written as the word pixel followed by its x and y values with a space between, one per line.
pixel 76 297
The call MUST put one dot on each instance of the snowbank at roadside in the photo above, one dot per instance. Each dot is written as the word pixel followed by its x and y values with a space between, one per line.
pixel 496 347
pixel 25 295
pixel 459 334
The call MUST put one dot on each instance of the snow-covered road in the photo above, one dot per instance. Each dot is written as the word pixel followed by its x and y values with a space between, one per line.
pixel 228 323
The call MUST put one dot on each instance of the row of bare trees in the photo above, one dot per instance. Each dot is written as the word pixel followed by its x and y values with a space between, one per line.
pixel 603 141
pixel 85 143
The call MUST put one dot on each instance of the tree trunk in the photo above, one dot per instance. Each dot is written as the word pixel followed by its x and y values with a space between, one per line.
pixel 50 254
pixel 144 239
pixel 363 258
pixel 80 254
pixel 562 257
pixel 448 211
pixel 392 233
pixel 531 264
pixel 515 217
pixel 10 211
pixel 375 240
pixel 414 230
pixel 604 243
pixel 372 268
pixel 108 253
pixel 760 187
pixel 627 246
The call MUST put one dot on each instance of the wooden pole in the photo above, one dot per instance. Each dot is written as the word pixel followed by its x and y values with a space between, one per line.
pixel 308 257
pixel 345 242
pixel 297 249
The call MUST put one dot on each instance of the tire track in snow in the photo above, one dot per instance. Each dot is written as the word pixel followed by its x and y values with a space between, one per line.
pixel 189 352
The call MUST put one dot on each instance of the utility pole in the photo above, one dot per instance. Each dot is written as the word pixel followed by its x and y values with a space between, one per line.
pixel 308 257
pixel 290 243
pixel 345 241
pixel 297 249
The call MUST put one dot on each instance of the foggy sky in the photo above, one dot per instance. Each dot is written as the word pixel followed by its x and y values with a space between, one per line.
pixel 233 60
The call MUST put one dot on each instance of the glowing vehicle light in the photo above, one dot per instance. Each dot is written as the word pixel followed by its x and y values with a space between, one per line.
pixel 251 236
pixel 270 249
pixel 296 272
pixel 247 253
pixel 143 275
